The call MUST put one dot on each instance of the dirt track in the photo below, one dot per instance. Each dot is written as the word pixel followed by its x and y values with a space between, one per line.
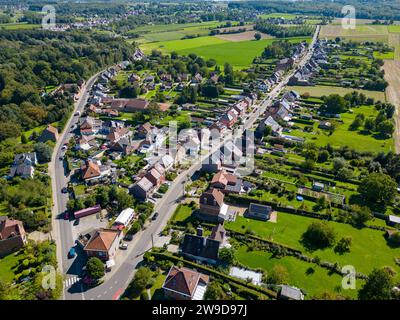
pixel 392 76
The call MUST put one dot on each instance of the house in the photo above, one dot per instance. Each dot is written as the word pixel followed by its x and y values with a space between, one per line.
pixel 103 244
pixel 199 248
pixel 124 218
pixel 290 293
pixel 212 163
pixel 393 220
pixel 325 125
pixel 86 143
pixel 49 134
pixel 218 233
pixel 156 177
pixel 218 126
pixel 144 130
pixel 117 133
pixel 291 96
pixel 90 126
pixel 276 128
pixel 108 112
pixel 212 206
pixel 138 55
pixel 185 284
pixel 123 145
pixel 12 235
pixel 229 118
pixel 93 171
pixel 226 183
pixel 141 189
pixel 318 186
pixel 197 78
pixel 129 105
pixel 23 165
pixel 284 64
pixel 133 78
pixel 192 145
pixel 178 154
pixel 167 161
pixel 258 211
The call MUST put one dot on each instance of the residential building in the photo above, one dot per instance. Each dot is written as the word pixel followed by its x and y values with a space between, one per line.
pixel 49 134
pixel 12 235
pixel 185 284
pixel 103 244
pixel 258 211
pixel 226 182
pixel 124 218
pixel 141 189
pixel 212 206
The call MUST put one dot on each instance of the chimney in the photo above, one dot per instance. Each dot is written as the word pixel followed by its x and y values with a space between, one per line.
pixel 200 231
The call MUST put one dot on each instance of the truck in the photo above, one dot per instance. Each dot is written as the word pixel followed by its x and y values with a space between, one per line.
pixel 87 211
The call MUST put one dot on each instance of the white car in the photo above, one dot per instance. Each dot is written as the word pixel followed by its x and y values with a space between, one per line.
pixel 123 246
pixel 64 147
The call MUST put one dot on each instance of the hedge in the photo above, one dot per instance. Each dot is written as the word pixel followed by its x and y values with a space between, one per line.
pixel 217 274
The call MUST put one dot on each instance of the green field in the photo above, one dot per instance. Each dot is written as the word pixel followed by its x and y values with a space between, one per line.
pixel 238 54
pixel 318 91
pixel 7 265
pixel 307 276
pixel 342 136
pixel 387 55
pixel 368 250
pixel 18 26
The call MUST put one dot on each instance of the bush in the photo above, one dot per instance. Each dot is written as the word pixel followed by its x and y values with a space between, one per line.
pixel 319 235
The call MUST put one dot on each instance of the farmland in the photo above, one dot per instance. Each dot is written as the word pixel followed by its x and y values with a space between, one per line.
pixel 238 54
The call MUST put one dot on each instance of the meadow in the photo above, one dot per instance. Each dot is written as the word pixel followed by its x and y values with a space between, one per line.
pixel 239 54
pixel 369 248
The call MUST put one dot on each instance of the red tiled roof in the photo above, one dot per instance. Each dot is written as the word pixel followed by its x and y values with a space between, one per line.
pixel 184 280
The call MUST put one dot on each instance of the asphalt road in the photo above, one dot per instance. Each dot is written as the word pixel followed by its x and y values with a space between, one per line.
pixel 115 284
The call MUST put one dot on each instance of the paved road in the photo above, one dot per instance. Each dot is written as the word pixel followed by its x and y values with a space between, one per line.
pixel 115 284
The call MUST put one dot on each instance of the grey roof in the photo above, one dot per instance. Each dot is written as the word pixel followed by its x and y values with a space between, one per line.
pixel 291 293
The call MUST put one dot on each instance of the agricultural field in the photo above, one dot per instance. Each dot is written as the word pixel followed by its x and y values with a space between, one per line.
pixel 19 26
pixel 239 54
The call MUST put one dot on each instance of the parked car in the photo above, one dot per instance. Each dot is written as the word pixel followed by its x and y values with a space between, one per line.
pixel 123 246
pixel 71 253
pixel 78 113
pixel 76 222
pixel 154 217
pixel 64 190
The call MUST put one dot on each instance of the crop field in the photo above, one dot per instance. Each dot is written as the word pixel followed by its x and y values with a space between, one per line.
pixel 360 33
pixel 18 26
pixel 240 54
pixel 289 229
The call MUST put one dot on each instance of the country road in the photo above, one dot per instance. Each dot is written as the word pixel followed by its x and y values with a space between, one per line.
pixel 120 277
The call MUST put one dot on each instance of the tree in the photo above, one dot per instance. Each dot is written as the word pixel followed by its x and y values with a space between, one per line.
pixel 343 245
pixel 369 124
pixel 142 279
pixel 43 152
pixel 95 268
pixel 323 156
pixel 24 139
pixel 378 187
pixel 338 163
pixel 335 103
pixel 215 292
pixel 257 36
pixel 360 215
pixel 378 286
pixel 278 275
pixel 319 234
pixel 344 174
pixel 227 255
pixel 385 128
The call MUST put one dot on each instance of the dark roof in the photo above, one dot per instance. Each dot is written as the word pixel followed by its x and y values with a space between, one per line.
pixel 200 247
pixel 218 233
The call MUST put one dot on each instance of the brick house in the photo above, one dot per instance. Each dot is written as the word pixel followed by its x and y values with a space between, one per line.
pixel 103 244
pixel 12 235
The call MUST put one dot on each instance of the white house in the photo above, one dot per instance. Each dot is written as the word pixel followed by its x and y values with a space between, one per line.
pixel 124 218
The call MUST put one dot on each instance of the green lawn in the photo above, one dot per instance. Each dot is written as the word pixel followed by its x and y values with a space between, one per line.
pixel 6 267
pixel 307 276
pixel 238 54
pixel 182 213
pixel 156 290
pixel 342 136
pixel 369 248
pixel 387 55
pixel 19 26
pixel 317 91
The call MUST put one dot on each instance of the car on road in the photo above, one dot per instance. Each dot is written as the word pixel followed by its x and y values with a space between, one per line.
pixel 123 246
pixel 61 158
pixel 78 113
pixel 76 222
pixel 64 190
pixel 154 217
pixel 64 147
pixel 71 253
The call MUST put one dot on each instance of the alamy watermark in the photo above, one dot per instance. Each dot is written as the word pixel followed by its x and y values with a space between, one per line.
pixel 49 17
pixel 349 18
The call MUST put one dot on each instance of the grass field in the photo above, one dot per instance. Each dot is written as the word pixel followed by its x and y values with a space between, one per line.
pixel 6 267
pixel 342 136
pixel 318 91
pixel 239 54
pixel 368 250
pixel 19 26
pixel 307 276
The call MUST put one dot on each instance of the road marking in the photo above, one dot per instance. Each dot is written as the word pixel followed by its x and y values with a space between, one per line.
pixel 71 281
pixel 118 294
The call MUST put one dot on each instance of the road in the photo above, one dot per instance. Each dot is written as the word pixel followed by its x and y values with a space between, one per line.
pixel 115 284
